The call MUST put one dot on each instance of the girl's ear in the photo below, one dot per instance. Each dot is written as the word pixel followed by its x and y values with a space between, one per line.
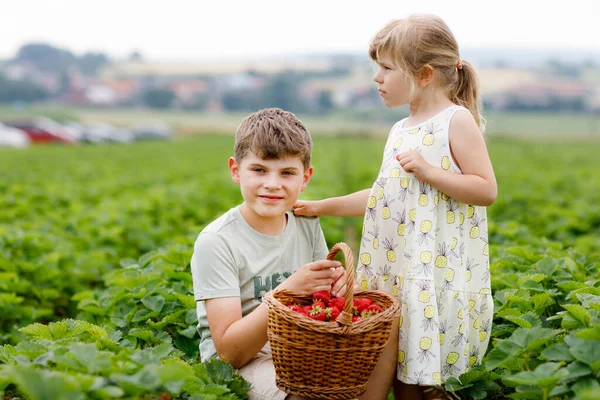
pixel 426 75
pixel 234 169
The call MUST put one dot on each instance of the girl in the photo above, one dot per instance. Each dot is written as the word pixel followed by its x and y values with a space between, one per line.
pixel 425 236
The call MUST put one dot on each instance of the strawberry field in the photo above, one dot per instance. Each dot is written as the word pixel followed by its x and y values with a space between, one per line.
pixel 96 293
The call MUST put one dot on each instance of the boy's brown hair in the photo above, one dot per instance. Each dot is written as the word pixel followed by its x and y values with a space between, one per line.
pixel 273 133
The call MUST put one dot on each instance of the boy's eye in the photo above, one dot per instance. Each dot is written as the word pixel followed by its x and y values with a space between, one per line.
pixel 287 173
pixel 258 170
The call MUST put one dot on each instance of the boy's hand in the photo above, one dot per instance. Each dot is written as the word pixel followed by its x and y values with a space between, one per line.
pixel 307 208
pixel 313 277
pixel 413 162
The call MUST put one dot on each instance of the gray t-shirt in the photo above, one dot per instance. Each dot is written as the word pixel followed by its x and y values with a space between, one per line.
pixel 232 259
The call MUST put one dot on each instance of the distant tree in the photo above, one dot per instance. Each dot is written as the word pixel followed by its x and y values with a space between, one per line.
pixel 561 68
pixel 158 98
pixel 20 91
pixel 89 63
pixel 325 102
pixel 135 56
pixel 46 57
pixel 282 91
pixel 240 100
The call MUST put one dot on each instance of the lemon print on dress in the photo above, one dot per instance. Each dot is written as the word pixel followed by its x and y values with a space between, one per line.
pixel 451 361
pixel 386 212
pixel 437 378
pixel 404 189
pixel 451 208
pixel 470 211
pixel 448 279
pixel 473 356
pixel 414 131
pixel 446 162
pixel 424 235
pixel 375 234
pixel 469 265
pixel 365 265
pixel 401 220
pixel 424 189
pixel 485 328
pixel 486 247
pixel 403 362
pixel 390 248
pixel 385 272
pixel 428 322
pixel 381 191
pixel 395 173
pixel 412 216
pixel 430 131
pixel 425 353
pixel 397 143
pixel 442 258
pixel 371 204
pixel 425 265
pixel 475 222
pixel 442 332
pixel 424 294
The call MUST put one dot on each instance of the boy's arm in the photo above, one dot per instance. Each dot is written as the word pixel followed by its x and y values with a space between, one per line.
pixel 236 339
pixel 351 205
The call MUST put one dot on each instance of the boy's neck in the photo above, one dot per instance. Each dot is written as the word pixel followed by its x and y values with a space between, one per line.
pixel 267 226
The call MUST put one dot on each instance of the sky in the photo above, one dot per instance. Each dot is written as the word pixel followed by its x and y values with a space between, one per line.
pixel 180 30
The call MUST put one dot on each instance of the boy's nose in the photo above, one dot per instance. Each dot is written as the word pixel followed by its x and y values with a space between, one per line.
pixel 272 183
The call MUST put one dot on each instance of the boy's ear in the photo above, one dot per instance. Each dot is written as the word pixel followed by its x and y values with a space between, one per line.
pixel 426 75
pixel 234 170
pixel 307 174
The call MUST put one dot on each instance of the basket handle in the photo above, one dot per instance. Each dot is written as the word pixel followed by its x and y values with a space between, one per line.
pixel 345 316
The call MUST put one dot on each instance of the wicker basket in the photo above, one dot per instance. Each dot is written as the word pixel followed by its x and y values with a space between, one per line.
pixel 327 360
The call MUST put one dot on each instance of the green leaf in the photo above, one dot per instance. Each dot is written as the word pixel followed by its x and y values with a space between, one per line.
pixel 580 313
pixel 587 384
pixel 592 333
pixel 145 380
pixel 545 375
pixel 546 266
pixel 576 371
pixel 154 303
pixel 37 331
pixel 558 352
pixel 7 354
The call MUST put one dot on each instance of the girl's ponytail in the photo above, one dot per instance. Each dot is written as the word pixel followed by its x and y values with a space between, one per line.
pixel 465 91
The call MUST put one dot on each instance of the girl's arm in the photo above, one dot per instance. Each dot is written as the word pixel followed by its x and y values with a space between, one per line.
pixel 477 183
pixel 352 205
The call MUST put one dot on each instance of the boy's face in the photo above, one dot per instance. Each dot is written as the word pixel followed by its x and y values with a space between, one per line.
pixel 269 187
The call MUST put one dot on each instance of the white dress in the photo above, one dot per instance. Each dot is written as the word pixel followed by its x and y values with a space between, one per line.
pixel 431 252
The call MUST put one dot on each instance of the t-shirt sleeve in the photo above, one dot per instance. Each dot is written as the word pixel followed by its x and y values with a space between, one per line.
pixel 320 249
pixel 214 270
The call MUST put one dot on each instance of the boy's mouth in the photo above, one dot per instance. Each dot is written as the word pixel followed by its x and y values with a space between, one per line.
pixel 271 198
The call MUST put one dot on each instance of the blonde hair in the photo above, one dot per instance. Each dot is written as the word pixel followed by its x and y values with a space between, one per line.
pixel 273 133
pixel 423 39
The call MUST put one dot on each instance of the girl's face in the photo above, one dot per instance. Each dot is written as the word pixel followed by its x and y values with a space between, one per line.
pixel 394 85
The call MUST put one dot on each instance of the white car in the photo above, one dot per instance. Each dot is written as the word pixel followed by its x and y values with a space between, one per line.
pixel 13 137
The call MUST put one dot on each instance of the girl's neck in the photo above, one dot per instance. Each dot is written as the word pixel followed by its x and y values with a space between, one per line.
pixel 429 103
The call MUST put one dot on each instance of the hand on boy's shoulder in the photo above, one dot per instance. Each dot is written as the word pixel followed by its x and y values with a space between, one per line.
pixel 305 208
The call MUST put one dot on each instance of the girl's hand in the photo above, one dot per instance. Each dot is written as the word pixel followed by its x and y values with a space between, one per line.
pixel 307 208
pixel 413 162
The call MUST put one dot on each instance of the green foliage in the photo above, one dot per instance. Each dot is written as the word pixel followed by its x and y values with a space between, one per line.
pixel 96 292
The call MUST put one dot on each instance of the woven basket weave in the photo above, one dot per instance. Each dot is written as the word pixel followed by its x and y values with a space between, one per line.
pixel 327 360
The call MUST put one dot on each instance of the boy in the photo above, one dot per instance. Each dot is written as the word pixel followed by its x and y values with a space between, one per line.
pixel 259 246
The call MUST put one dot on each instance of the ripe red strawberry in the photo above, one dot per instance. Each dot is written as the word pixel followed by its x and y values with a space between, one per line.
pixel 370 311
pixel 298 309
pixel 323 296
pixel 332 313
pixel 356 319
pixel 337 302
pixel 165 396
pixel 317 312
pixel 307 309
pixel 361 304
